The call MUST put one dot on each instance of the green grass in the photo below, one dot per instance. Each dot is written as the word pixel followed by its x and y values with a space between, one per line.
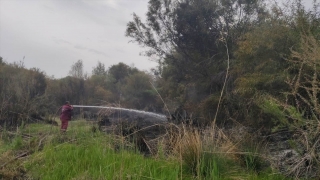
pixel 83 154
pixel 91 159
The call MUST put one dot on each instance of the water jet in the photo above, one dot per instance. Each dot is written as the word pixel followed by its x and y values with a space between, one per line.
pixel 132 112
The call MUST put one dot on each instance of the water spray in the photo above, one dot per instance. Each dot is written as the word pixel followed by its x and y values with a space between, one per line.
pixel 158 116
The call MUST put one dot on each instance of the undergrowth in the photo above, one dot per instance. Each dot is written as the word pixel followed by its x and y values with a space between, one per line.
pixel 39 151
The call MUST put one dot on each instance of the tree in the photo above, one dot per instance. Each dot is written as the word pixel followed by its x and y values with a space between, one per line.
pixel 76 82
pixel 77 70
pixel 190 26
pixel 185 37
pixel 22 95
pixel 137 91
pixel 99 70
pixel 261 58
pixel 120 71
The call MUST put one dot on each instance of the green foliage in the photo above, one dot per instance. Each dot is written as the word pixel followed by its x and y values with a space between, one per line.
pixel 188 25
pixel 261 68
pixel 68 88
pixel 137 91
pixel 271 106
pixel 120 71
pixel 187 37
pixel 99 70
pixel 260 62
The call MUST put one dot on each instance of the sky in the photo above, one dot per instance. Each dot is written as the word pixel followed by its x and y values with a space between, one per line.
pixel 54 34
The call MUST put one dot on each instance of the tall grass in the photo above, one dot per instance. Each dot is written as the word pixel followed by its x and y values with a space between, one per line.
pixel 211 154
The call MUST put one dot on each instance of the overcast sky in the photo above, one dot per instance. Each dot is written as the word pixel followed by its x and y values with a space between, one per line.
pixel 54 34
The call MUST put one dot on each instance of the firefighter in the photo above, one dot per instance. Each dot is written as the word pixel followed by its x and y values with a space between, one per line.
pixel 65 116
